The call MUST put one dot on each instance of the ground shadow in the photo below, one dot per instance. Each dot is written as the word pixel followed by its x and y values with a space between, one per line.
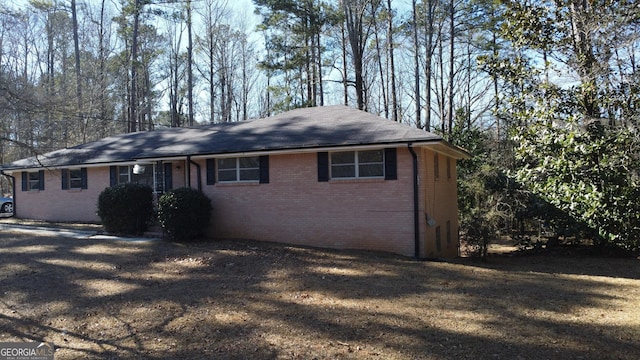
pixel 242 299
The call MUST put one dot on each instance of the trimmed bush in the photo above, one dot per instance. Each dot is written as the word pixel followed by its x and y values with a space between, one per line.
pixel 184 213
pixel 126 208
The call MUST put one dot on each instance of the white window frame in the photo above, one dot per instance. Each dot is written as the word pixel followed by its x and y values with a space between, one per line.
pixel 121 174
pixel 130 176
pixel 31 182
pixel 239 170
pixel 356 164
pixel 78 179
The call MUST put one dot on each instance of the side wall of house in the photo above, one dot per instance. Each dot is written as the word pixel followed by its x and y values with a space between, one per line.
pixel 439 205
pixel 294 207
pixel 55 204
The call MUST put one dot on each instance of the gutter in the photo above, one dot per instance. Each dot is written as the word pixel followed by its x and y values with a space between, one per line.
pixel 13 190
pixel 416 204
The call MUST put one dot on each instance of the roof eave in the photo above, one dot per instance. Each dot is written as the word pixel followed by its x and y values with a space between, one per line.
pixel 438 145
pixel 448 149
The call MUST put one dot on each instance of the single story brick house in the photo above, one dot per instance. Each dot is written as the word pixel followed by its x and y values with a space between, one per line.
pixel 331 176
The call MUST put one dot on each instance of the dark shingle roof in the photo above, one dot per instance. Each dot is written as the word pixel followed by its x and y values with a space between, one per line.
pixel 305 128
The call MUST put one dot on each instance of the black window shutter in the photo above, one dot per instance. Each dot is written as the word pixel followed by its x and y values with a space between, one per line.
pixel 41 179
pixel 83 177
pixel 390 164
pixel 113 175
pixel 323 166
pixel 264 169
pixel 211 171
pixel 168 177
pixel 25 181
pixel 65 179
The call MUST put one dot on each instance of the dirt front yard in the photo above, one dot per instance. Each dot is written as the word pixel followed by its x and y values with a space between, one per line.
pixel 101 299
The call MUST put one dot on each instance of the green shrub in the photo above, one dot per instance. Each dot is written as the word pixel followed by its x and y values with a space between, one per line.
pixel 126 208
pixel 184 213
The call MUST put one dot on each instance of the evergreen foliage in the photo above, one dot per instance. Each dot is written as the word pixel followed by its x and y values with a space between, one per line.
pixel 126 208
pixel 590 173
pixel 184 213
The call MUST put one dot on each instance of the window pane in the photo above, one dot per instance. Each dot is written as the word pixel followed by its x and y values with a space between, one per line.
pixel 227 163
pixel 249 174
pixel 343 171
pixel 227 175
pixel 370 170
pixel 345 157
pixel 123 174
pixel 143 179
pixel 75 179
pixel 372 156
pixel 249 162
pixel 34 181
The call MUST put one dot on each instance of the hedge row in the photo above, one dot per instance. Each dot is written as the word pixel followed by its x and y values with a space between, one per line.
pixel 127 209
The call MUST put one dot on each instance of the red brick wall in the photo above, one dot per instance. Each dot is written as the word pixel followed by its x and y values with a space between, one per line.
pixel 295 208
pixel 55 204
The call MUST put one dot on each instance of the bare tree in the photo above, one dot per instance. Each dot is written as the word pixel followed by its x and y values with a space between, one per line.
pixel 189 62
pixel 358 32
pixel 76 47
pixel 416 60
pixel 390 31
pixel 212 14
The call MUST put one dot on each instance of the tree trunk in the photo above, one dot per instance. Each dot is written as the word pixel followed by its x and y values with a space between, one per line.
pixel 133 107
pixel 189 64
pixel 385 99
pixel 76 48
pixel 345 84
pixel 428 65
pixel 354 12
pixel 394 95
pixel 586 60
pixel 416 59
pixel 452 31
pixel 319 60
pixel 102 54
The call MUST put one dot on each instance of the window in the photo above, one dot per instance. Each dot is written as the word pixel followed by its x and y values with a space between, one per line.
pixel 438 239
pixel 33 181
pixel 357 164
pixel 436 166
pixel 138 174
pixel 124 174
pixel 448 233
pixel 239 169
pixel 74 178
pixel 448 168
pixel 373 164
